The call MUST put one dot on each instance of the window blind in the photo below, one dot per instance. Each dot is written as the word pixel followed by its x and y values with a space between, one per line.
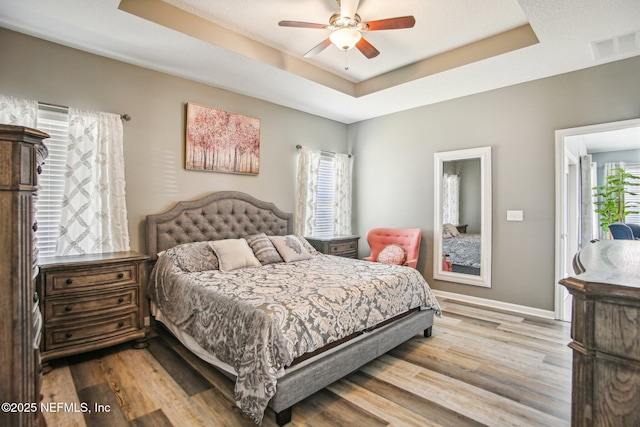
pixel 633 169
pixel 325 196
pixel 54 121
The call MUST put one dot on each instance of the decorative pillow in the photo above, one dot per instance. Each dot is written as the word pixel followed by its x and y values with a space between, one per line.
pixel 290 248
pixel 393 254
pixel 234 254
pixel 449 230
pixel 308 246
pixel 263 249
pixel 194 257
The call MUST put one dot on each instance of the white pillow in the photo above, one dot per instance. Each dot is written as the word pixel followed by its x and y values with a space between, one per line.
pixel 290 248
pixel 234 254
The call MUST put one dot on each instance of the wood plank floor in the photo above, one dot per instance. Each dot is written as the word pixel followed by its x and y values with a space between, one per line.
pixel 481 367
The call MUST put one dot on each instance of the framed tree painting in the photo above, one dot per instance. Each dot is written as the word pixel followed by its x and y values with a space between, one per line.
pixel 220 141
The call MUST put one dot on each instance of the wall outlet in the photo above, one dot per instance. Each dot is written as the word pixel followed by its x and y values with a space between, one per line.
pixel 515 216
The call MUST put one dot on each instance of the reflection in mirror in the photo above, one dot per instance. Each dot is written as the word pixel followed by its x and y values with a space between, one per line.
pixel 462 228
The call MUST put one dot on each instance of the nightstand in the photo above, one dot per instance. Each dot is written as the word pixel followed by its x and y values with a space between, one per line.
pixel 344 246
pixel 91 301
pixel 462 228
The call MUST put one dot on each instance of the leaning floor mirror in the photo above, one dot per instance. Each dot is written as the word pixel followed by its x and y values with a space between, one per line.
pixel 462 217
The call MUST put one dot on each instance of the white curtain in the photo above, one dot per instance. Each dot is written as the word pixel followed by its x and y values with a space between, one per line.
pixel 342 212
pixel 307 184
pixel 586 201
pixel 609 169
pixel 18 112
pixel 451 199
pixel 94 213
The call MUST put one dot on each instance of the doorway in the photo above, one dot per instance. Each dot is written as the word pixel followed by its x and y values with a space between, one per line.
pixel 570 145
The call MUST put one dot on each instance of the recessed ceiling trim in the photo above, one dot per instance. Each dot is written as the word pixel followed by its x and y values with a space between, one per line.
pixel 499 44
pixel 172 17
pixel 192 25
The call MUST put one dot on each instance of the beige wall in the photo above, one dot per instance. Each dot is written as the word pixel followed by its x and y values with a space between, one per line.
pixel 394 168
pixel 393 181
pixel 154 138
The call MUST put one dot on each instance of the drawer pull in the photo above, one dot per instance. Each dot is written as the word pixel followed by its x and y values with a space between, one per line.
pixel 120 275
pixel 68 308
pixel 120 324
pixel 69 281
pixel 68 334
pixel 120 299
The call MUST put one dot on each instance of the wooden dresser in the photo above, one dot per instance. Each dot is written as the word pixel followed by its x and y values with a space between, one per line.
pixel 91 301
pixel 21 154
pixel 344 246
pixel 606 334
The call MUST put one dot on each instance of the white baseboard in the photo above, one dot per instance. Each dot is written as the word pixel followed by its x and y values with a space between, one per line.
pixel 530 311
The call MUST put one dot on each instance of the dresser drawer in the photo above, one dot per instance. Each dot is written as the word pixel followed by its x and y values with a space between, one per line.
pixel 90 279
pixel 61 309
pixel 65 335
pixel 617 332
pixel 342 247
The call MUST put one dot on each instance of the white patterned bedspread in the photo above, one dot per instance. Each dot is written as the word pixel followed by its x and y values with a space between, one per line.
pixel 260 319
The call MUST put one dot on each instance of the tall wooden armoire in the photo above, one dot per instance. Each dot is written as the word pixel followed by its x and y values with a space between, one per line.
pixel 21 155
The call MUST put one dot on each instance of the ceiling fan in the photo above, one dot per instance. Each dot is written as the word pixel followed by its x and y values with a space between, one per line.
pixel 347 29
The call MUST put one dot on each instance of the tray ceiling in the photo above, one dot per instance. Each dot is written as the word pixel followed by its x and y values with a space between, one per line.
pixel 457 47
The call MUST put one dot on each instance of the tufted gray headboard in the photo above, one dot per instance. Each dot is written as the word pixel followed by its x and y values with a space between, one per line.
pixel 221 215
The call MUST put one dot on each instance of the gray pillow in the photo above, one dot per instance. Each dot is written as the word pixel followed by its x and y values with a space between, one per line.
pixel 263 249
pixel 308 246
pixel 194 257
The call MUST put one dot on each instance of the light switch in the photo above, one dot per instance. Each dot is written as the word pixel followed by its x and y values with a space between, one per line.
pixel 515 216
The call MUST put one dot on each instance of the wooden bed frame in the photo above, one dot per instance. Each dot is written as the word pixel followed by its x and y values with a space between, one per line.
pixel 231 214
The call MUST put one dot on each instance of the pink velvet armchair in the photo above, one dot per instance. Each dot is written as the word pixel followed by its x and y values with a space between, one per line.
pixel 408 238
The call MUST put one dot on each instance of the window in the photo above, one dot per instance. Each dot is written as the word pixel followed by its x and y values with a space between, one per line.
pixel 633 169
pixel 54 121
pixel 323 193
pixel 325 196
pixel 85 158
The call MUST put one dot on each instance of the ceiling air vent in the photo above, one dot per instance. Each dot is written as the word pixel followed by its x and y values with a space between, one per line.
pixel 620 45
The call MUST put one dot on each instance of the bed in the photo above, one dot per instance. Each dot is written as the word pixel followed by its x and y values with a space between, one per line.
pixel 282 329
pixel 463 250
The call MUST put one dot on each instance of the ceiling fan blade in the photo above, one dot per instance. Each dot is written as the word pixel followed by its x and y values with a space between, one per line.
pixel 348 8
pixel 318 48
pixel 367 49
pixel 390 24
pixel 298 24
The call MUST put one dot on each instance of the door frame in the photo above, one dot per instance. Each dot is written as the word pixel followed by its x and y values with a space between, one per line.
pixel 562 256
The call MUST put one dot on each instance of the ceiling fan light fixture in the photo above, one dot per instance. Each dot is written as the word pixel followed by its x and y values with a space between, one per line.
pixel 345 38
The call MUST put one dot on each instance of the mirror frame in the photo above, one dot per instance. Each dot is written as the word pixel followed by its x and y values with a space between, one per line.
pixel 484 154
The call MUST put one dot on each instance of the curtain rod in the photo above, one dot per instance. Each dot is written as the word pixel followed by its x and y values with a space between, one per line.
pixel 125 117
pixel 323 151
